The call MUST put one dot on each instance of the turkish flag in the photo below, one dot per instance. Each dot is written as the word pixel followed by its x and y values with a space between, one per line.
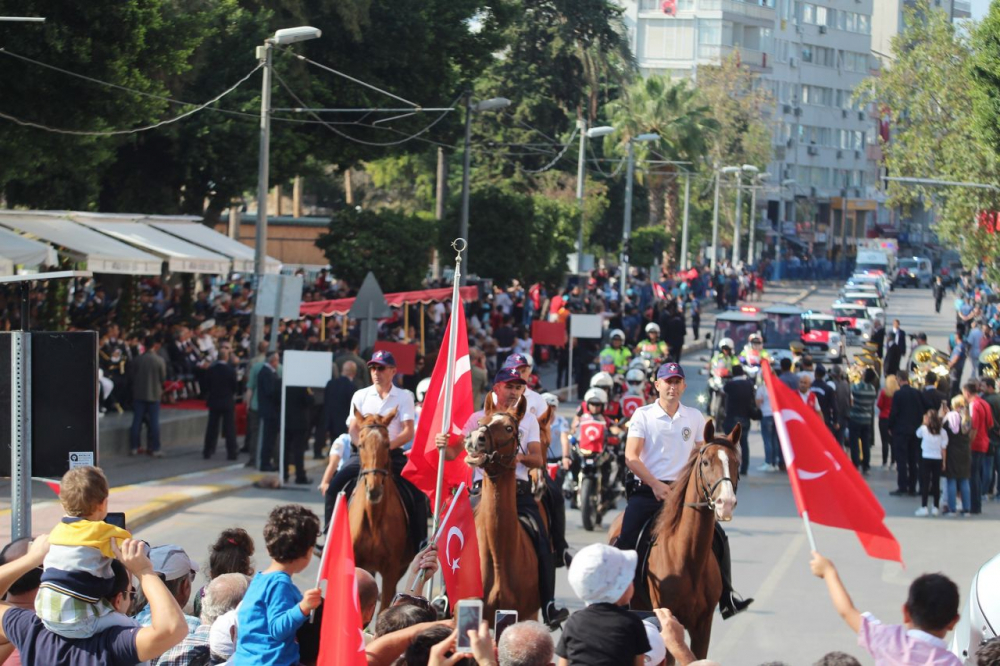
pixel 341 642
pixel 824 482
pixel 592 434
pixel 458 550
pixel 422 467
pixel 630 403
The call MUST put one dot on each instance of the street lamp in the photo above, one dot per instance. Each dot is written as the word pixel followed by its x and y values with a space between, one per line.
pixel 264 53
pixel 746 168
pixel 592 133
pixel 492 104
pixel 757 178
pixel 788 182
pixel 627 231
pixel 715 213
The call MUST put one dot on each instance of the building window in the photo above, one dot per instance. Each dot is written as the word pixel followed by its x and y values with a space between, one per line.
pixel 669 40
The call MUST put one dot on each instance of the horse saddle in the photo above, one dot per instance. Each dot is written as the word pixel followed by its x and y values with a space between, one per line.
pixel 530 526
pixel 643 546
pixel 414 508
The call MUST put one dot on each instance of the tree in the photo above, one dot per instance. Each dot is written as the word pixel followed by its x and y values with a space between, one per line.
pixel 928 94
pixel 393 245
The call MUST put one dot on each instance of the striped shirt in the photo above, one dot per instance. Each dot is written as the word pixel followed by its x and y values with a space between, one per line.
pixel 863 402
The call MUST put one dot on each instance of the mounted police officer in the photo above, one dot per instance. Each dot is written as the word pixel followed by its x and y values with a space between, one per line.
pixel 661 438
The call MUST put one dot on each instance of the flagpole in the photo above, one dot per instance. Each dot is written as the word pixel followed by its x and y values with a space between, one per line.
pixel 341 496
pixel 459 246
pixel 809 531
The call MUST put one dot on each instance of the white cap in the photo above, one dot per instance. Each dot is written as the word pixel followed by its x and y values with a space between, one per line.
pixel 220 638
pixel 658 649
pixel 601 573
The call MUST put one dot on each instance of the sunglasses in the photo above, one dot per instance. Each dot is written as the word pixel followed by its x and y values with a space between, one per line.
pixel 402 599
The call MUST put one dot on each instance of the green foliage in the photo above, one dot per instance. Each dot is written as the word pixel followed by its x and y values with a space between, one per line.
pixel 392 244
pixel 929 94
pixel 647 243
pixel 737 102
pixel 406 182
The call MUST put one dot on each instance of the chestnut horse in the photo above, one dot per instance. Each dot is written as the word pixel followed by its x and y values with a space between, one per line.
pixel 378 521
pixel 507 556
pixel 683 571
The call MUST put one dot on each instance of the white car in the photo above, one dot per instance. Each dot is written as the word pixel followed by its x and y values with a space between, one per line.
pixel 874 303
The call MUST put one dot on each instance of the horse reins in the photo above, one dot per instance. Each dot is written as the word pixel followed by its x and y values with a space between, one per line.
pixel 373 470
pixel 505 460
pixel 707 491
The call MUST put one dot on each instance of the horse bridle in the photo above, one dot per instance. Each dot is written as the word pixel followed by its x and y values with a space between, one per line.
pixel 504 460
pixel 373 470
pixel 708 492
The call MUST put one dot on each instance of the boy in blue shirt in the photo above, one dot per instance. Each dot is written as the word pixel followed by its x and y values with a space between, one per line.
pixel 273 609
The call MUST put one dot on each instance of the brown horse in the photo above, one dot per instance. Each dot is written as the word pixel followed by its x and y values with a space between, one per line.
pixel 507 556
pixel 683 571
pixel 378 521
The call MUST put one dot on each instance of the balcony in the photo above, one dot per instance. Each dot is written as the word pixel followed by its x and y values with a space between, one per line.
pixel 717 53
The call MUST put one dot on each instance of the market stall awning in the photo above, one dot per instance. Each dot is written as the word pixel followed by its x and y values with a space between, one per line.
pixel 197 233
pixel 180 255
pixel 100 253
pixel 16 250
pixel 343 305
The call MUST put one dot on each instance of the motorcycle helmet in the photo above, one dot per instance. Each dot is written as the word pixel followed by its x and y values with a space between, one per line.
pixel 422 387
pixel 726 342
pixel 616 333
pixel 596 395
pixel 652 327
pixel 756 337
pixel 635 376
pixel 551 399
pixel 602 380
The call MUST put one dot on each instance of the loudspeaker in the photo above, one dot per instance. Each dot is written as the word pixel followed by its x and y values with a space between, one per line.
pixel 64 396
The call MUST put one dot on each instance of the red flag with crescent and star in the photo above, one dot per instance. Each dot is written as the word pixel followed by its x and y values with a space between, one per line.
pixel 592 434
pixel 341 641
pixel 458 550
pixel 630 403
pixel 824 482
pixel 422 467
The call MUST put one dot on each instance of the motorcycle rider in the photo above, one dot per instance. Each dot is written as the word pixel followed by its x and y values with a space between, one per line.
pixel 753 352
pixel 724 359
pixel 635 382
pixel 596 400
pixel 615 357
pixel 612 407
pixel 652 344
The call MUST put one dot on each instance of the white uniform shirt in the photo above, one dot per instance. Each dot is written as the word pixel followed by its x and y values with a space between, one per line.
pixel 536 403
pixel 528 431
pixel 367 401
pixel 668 441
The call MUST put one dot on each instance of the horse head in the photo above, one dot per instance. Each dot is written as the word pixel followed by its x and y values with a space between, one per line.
pixel 494 445
pixel 373 452
pixel 718 471
pixel 544 431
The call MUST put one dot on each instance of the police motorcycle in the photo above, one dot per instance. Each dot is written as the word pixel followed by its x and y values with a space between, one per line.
pixel 720 373
pixel 592 483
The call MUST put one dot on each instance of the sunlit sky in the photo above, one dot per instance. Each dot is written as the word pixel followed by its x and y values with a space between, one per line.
pixel 979 8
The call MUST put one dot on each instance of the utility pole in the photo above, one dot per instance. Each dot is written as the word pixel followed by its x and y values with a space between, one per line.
pixel 264 53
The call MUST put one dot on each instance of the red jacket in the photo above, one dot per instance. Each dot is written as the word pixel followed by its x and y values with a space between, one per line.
pixel 884 404
pixel 982 423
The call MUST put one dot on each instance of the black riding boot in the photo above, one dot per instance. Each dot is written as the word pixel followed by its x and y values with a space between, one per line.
pixel 556 507
pixel 730 603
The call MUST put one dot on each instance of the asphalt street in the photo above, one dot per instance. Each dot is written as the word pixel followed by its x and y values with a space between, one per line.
pixel 792 619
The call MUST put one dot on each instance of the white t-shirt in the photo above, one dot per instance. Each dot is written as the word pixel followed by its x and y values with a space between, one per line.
pixel 668 441
pixel 765 406
pixel 528 431
pixel 367 401
pixel 931 446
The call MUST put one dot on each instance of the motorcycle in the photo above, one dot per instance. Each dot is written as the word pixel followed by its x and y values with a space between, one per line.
pixel 597 487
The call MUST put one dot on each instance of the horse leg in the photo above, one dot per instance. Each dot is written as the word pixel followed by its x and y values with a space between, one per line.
pixel 701 634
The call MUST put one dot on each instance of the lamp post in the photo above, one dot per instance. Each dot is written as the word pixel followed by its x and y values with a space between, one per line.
pixel 684 229
pixel 491 104
pixel 592 133
pixel 715 213
pixel 627 230
pixel 264 53
pixel 753 212
pixel 790 182
pixel 737 232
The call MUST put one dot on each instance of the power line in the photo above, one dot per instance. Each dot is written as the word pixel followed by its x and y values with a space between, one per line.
pixel 557 157
pixel 58 130
pixel 349 78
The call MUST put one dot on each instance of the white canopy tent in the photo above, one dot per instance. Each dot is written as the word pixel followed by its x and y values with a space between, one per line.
pixel 16 250
pixel 100 253
pixel 192 230
pixel 180 255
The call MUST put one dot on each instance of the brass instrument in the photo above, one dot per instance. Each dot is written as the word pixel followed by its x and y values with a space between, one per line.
pixel 862 361
pixel 926 359
pixel 989 361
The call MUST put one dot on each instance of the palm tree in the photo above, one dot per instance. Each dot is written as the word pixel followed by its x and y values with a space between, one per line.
pixel 676 112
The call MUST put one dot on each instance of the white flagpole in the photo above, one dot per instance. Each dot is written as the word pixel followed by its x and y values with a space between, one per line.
pixel 809 531
pixel 459 246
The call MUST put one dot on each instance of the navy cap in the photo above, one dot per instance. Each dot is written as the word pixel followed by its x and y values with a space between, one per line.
pixel 670 370
pixel 516 361
pixel 383 358
pixel 508 375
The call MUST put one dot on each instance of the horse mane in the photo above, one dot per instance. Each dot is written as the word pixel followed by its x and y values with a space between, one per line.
pixel 670 515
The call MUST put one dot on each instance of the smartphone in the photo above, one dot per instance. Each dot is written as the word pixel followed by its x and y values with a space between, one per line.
pixel 116 518
pixel 501 620
pixel 468 617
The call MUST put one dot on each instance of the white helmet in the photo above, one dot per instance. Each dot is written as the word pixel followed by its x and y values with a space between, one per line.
pixel 602 380
pixel 616 332
pixel 755 337
pixel 422 387
pixel 638 362
pixel 551 399
pixel 596 395
pixel 652 327
pixel 635 375
pixel 726 342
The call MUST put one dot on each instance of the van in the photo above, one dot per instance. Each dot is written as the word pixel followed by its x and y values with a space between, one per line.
pixel 914 272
